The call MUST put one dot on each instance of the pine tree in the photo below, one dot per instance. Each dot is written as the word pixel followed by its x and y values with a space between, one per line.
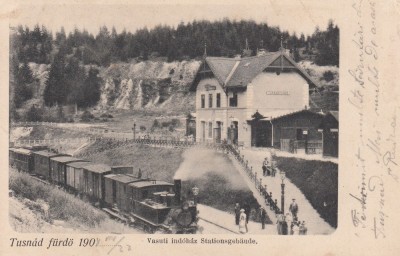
pixel 23 78
pixel 75 82
pixel 34 114
pixel 91 90
pixel 55 91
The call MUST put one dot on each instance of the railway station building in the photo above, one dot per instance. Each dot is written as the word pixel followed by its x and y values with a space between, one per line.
pixel 259 101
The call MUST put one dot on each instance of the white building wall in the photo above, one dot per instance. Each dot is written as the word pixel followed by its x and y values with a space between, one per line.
pixel 272 92
pixel 214 114
pixel 267 92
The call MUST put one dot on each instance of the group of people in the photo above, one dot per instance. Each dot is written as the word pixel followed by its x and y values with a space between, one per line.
pixel 242 215
pixel 289 223
pixel 269 167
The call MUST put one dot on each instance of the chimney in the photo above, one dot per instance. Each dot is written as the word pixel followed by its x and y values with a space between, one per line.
pixel 178 185
pixel 261 52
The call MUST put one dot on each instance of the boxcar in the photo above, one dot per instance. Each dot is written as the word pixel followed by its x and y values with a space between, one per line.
pixel 94 180
pixel 23 159
pixel 42 162
pixel 58 168
pixel 74 172
pixel 116 190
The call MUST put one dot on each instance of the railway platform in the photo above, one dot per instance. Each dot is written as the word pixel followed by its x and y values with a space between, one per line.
pixel 315 223
pixel 214 221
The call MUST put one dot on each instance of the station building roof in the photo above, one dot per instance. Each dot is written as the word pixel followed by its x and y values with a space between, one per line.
pixel 239 72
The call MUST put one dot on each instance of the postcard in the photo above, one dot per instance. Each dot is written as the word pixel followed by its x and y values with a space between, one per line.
pixel 213 127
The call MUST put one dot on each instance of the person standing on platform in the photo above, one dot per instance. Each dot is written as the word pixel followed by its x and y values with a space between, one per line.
pixel 273 168
pixel 242 222
pixel 247 210
pixel 263 215
pixel 296 228
pixel 279 223
pixel 303 228
pixel 294 209
pixel 264 166
pixel 237 213
pixel 289 221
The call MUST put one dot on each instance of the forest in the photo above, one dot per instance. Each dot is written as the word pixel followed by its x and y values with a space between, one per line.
pixel 186 41
pixel 74 57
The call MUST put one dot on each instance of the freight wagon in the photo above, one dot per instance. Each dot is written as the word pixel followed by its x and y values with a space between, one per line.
pixel 22 159
pixel 58 168
pixel 94 180
pixel 155 205
pixel 75 176
pixel 42 162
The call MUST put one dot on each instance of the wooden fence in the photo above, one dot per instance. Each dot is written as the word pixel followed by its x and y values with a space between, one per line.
pixel 53 141
pixel 294 146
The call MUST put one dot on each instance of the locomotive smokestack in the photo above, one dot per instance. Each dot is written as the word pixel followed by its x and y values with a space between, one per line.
pixel 178 186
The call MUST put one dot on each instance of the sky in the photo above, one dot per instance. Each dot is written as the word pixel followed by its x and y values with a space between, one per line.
pixel 300 16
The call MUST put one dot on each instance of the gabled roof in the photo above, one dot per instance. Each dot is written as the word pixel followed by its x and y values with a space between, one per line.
pixel 275 115
pixel 296 113
pixel 221 67
pixel 239 72
pixel 249 68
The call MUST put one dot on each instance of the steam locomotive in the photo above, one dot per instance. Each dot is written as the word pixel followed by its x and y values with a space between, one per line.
pixel 156 206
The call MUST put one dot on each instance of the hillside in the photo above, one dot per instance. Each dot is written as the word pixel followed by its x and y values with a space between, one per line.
pixel 39 207
pixel 148 84
pixel 164 87
pixel 134 86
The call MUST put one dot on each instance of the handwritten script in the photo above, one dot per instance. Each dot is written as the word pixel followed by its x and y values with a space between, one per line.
pixel 375 156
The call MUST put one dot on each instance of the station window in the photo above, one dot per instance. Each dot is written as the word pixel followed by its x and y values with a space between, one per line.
pixel 203 101
pixel 210 129
pixel 218 100
pixel 233 100
pixel 210 100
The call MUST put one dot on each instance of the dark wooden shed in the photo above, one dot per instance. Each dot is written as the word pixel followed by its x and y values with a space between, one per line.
pixel 289 131
pixel 330 127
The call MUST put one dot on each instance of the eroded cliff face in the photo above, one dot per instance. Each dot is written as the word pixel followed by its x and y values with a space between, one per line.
pixel 148 84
